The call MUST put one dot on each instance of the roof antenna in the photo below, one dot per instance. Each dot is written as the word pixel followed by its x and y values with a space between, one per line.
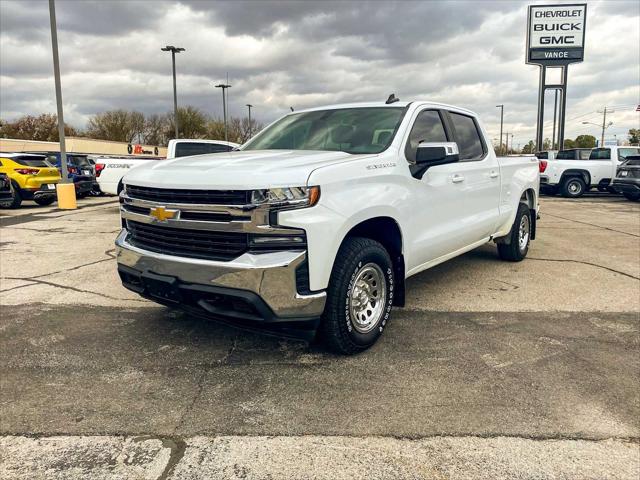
pixel 392 99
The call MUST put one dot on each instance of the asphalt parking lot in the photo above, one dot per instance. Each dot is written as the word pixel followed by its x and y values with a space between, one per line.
pixel 493 370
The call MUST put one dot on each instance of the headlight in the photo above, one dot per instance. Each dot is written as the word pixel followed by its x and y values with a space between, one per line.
pixel 290 197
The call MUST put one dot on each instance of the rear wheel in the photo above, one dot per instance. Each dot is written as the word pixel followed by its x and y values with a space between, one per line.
pixel 43 201
pixel 81 194
pixel 632 196
pixel 519 237
pixel 359 296
pixel 573 187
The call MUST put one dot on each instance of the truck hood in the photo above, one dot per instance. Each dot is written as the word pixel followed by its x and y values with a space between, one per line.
pixel 235 170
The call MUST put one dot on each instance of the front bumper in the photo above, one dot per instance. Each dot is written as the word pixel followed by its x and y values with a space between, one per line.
pixel 255 288
pixel 626 186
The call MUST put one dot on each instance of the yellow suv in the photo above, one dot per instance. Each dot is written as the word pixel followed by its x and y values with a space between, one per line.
pixel 32 178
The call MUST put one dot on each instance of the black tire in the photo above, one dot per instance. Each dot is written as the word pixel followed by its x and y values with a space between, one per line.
pixel 16 201
pixel 356 258
pixel 515 251
pixel 44 201
pixel 81 194
pixel 573 187
pixel 634 197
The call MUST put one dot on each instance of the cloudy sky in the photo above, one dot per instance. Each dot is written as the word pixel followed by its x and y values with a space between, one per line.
pixel 300 54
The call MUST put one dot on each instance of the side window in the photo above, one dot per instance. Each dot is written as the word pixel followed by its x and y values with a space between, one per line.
pixel 427 128
pixel 584 154
pixel 600 154
pixel 467 136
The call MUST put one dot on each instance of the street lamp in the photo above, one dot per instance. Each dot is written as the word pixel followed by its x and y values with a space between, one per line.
pixel 249 105
pixel 174 50
pixel 224 87
pixel 604 126
pixel 501 107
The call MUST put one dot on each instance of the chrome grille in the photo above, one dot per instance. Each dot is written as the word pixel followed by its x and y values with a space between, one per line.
pixel 204 197
pixel 206 245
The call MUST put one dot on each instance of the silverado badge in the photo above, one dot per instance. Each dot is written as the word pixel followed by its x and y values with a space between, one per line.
pixel 162 214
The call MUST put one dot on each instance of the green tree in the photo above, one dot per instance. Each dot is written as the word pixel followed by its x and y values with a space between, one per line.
pixel 43 128
pixel 546 144
pixel 568 143
pixel 529 147
pixel 634 136
pixel 585 141
pixel 116 125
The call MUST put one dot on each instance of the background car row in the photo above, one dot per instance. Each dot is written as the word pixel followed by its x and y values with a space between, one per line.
pixel 573 172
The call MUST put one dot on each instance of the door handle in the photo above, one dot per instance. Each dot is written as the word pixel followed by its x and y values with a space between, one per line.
pixel 494 175
pixel 457 178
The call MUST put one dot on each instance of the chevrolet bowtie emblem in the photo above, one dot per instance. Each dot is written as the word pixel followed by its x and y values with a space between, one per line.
pixel 162 214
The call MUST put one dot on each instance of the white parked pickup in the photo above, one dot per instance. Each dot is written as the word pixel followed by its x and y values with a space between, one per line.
pixel 110 170
pixel 318 220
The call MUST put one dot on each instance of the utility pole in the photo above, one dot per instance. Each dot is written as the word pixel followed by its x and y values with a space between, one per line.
pixel 604 123
pixel 249 105
pixel 506 142
pixel 174 50
pixel 224 87
pixel 501 107
pixel 511 143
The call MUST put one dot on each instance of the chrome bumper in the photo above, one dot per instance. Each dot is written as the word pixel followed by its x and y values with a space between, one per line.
pixel 271 276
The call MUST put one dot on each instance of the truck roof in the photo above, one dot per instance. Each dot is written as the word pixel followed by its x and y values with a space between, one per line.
pixel 384 105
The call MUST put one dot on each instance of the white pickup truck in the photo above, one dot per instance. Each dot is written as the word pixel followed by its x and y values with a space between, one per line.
pixel 110 170
pixel 575 171
pixel 318 220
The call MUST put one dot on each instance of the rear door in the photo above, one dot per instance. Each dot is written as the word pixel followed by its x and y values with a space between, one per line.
pixel 455 204
pixel 476 181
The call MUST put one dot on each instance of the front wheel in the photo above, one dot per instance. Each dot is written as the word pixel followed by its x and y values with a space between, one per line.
pixel 359 296
pixel 519 237
pixel 16 199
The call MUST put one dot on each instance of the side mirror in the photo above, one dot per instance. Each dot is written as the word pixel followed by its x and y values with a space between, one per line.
pixel 437 153
pixel 430 154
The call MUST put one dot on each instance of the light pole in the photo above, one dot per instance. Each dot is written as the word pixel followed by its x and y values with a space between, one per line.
pixel 174 50
pixel 66 191
pixel 501 107
pixel 249 106
pixel 224 87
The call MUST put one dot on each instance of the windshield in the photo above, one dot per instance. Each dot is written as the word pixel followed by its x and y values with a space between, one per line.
pixel 32 161
pixel 351 130
pixel 623 153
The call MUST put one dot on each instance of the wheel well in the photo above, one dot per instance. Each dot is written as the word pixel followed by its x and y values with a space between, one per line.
pixel 120 187
pixel 386 231
pixel 584 174
pixel 529 198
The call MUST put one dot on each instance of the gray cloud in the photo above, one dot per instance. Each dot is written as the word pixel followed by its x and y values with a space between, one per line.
pixel 280 54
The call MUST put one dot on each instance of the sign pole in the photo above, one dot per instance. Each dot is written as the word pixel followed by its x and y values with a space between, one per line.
pixel 563 107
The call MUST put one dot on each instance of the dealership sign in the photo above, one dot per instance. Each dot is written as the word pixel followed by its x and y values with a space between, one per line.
pixel 555 34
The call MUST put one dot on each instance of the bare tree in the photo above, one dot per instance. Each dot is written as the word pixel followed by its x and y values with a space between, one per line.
pixel 42 128
pixel 117 125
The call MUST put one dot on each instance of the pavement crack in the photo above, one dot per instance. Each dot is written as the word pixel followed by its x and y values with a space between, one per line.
pixel 206 368
pixel 568 260
pixel 68 287
pixel 590 224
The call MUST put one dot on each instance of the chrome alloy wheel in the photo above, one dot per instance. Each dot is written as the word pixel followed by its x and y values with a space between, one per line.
pixel 367 298
pixel 574 188
pixel 523 233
